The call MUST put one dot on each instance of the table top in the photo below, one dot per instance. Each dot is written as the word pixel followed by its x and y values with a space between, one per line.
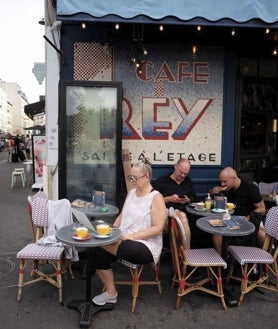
pixel 246 227
pixel 97 211
pixel 65 235
pixel 190 208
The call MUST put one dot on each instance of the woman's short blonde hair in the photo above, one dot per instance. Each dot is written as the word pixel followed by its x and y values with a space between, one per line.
pixel 145 166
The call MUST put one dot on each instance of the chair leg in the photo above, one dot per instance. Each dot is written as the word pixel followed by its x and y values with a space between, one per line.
pixel 156 275
pixel 22 179
pixel 59 281
pixel 220 287
pixel 135 285
pixel 20 279
pixel 244 283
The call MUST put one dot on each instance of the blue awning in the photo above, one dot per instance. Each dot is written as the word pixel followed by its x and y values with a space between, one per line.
pixel 212 12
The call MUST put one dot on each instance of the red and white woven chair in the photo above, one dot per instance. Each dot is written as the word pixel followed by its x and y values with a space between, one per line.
pixel 250 259
pixel 186 262
pixel 135 281
pixel 40 256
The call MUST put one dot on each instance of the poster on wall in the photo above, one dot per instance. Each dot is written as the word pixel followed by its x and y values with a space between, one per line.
pixel 39 152
pixel 173 105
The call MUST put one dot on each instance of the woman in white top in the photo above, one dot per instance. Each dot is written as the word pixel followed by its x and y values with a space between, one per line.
pixel 141 221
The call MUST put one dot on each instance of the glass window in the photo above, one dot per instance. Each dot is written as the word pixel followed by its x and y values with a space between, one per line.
pixel 90 140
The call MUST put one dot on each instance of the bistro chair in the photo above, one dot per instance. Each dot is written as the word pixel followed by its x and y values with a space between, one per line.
pixel 46 259
pixel 267 188
pixel 135 280
pixel 250 259
pixel 186 262
pixel 18 172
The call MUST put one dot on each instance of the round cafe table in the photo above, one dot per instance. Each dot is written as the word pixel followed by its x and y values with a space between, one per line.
pixel 86 307
pixel 99 212
pixel 199 238
pixel 191 209
pixel 245 227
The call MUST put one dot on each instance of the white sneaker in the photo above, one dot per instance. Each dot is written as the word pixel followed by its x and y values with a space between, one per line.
pixel 104 298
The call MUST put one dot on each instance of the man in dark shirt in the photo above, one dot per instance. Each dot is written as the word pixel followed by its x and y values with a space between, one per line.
pixel 177 190
pixel 247 198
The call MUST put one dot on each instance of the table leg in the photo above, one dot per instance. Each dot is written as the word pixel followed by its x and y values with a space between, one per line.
pixel 87 308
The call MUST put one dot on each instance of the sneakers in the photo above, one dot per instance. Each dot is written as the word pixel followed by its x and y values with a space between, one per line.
pixel 104 298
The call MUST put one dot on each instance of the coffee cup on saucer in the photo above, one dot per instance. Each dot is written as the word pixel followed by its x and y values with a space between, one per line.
pixel 103 229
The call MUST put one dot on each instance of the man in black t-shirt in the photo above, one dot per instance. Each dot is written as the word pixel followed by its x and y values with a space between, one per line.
pixel 177 190
pixel 248 200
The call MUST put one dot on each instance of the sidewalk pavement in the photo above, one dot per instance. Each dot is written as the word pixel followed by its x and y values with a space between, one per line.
pixel 39 307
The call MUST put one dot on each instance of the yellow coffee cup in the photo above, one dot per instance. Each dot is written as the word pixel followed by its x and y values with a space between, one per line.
pixel 103 229
pixel 231 206
pixel 82 232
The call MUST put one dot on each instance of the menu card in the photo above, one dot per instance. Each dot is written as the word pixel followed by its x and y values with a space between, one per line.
pixel 216 222
pixel 231 224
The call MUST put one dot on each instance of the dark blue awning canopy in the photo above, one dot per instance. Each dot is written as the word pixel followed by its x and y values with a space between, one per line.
pixel 210 12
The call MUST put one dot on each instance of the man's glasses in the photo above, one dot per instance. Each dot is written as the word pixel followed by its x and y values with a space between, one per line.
pixel 133 178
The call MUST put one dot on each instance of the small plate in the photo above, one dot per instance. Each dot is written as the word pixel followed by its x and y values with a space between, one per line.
pixel 75 237
pixel 102 236
pixel 220 211
pixel 201 210
pixel 193 204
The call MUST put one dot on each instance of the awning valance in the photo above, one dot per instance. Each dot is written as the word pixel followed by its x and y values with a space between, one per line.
pixel 219 12
pixel 37 127
pixel 35 108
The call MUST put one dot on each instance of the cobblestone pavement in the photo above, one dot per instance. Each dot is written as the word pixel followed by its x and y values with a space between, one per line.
pixel 39 307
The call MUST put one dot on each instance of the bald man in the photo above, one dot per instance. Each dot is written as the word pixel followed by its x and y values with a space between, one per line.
pixel 247 198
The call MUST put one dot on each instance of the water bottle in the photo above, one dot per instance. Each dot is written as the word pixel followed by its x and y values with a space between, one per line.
pixel 208 202
pixel 226 217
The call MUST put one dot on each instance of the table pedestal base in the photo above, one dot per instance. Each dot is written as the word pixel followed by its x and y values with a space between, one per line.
pixel 87 310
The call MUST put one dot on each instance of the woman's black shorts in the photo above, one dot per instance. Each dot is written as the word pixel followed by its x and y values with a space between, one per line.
pixel 132 251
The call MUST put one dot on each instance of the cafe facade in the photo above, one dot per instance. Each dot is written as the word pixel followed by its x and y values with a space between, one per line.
pixel 161 80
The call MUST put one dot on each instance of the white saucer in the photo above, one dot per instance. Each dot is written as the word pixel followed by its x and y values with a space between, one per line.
pixel 218 210
pixel 75 237
pixel 96 235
